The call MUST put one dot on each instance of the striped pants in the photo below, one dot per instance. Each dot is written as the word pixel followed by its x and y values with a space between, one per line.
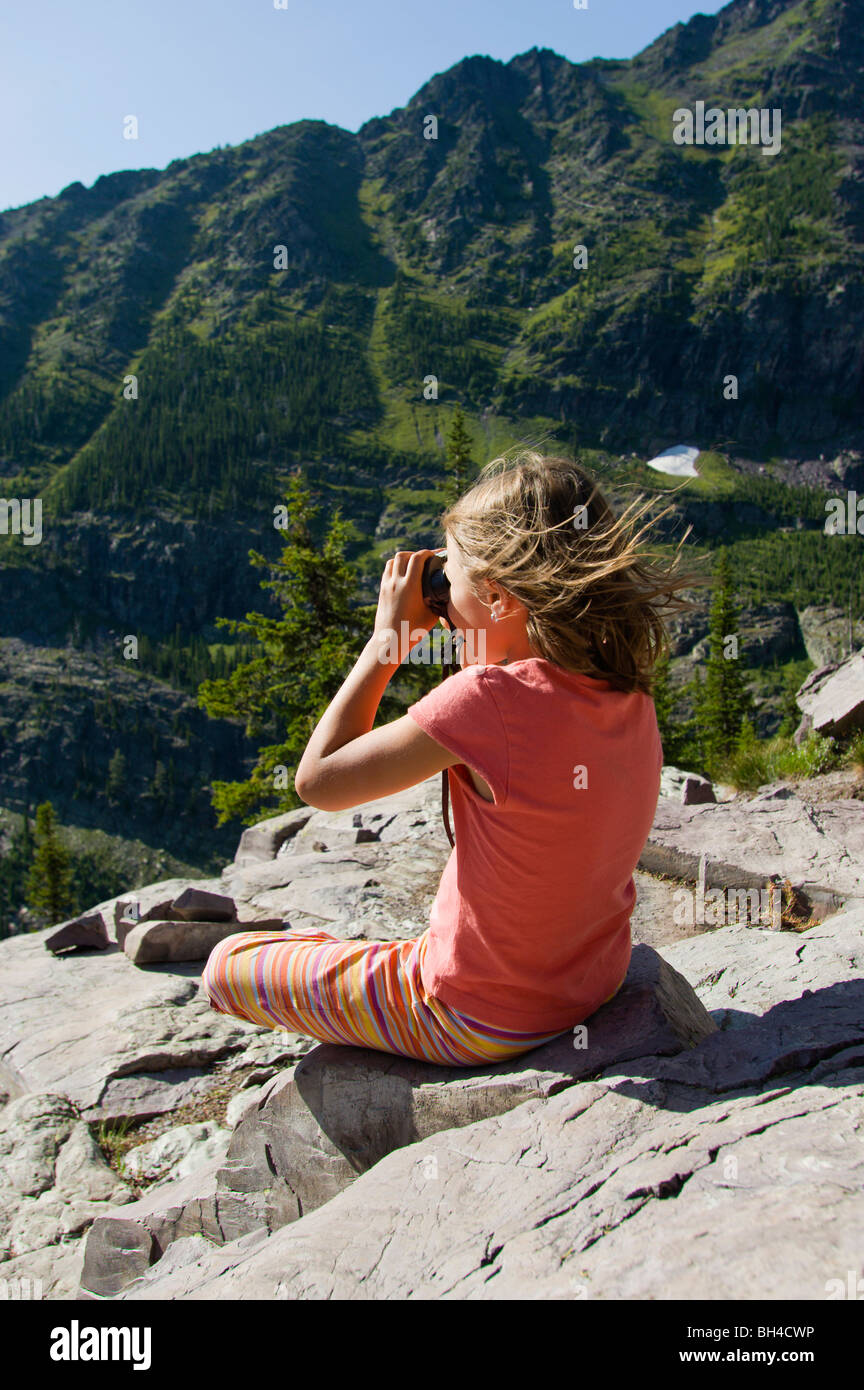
pixel 362 993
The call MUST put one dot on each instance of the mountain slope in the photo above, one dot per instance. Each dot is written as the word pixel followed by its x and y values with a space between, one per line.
pixel 283 302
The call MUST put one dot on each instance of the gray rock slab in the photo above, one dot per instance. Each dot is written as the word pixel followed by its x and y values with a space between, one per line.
pixel 623 1187
pixel 52 1272
pixel 733 1168
pixel 832 699
pixel 775 833
pixel 741 973
pixel 370 886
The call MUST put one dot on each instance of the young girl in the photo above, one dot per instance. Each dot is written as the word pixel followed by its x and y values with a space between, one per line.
pixel 554 760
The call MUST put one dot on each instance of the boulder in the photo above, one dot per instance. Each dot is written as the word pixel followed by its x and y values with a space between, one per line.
pixel 150 942
pixel 88 931
pixel 832 699
pixel 122 929
pixel 342 1109
pixel 687 788
pixel 120 1251
pixel 153 898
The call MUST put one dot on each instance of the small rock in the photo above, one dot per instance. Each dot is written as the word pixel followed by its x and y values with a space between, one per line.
pixel 194 905
pixel 89 932
pixel 688 788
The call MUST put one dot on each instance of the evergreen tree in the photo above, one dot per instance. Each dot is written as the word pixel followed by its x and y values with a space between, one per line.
pixel 679 736
pixel 458 465
pixel 302 658
pixel 790 710
pixel 724 701
pixel 49 882
pixel 662 696
pixel 696 690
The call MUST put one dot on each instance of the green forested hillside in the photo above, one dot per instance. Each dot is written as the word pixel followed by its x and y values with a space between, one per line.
pixel 175 343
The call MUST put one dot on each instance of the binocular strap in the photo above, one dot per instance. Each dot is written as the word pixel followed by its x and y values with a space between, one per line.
pixel 447 667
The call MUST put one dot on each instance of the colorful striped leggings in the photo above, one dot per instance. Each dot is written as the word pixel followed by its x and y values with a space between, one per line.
pixel 363 993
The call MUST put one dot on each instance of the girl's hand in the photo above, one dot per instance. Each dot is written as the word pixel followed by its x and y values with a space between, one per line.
pixel 400 598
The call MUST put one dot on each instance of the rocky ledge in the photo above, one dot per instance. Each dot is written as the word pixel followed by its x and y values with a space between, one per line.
pixel 701 1137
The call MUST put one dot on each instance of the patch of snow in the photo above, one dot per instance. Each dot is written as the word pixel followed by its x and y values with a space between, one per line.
pixel 679 460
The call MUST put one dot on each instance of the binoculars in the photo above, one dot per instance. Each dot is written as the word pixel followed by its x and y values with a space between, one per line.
pixel 435 584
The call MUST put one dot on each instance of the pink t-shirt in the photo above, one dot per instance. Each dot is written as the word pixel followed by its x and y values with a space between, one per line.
pixel 530 929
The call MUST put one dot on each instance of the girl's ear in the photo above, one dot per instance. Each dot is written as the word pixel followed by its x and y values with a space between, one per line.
pixel 506 605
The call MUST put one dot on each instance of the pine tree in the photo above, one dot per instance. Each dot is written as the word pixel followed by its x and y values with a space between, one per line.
pixel 302 658
pixel 49 882
pixel 790 710
pixel 458 465
pixel 662 694
pixel 724 701
pixel 678 736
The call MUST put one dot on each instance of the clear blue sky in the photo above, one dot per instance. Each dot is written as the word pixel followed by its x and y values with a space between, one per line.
pixel 202 73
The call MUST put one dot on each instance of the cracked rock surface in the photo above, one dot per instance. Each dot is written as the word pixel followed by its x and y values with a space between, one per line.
pixel 723 1172
pixel 54 1182
pixel 300 1207
pixel 775 832
pixel 309 1133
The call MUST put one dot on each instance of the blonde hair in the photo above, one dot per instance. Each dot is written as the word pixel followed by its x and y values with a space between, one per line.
pixel 540 527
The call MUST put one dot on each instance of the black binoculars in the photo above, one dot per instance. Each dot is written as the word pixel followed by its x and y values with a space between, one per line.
pixel 435 584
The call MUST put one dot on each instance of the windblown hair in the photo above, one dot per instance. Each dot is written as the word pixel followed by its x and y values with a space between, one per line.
pixel 540 527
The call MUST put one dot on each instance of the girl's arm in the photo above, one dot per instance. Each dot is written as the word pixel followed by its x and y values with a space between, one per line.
pixel 346 761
